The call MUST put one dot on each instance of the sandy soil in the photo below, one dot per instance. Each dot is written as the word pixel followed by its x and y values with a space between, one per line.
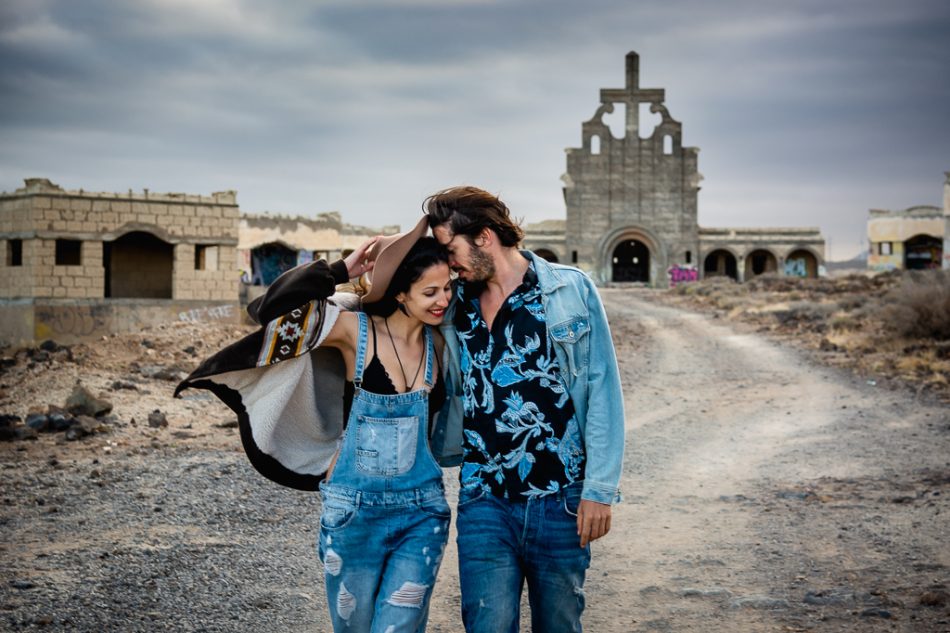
pixel 762 492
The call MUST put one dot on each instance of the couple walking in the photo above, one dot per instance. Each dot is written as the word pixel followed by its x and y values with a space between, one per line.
pixel 507 371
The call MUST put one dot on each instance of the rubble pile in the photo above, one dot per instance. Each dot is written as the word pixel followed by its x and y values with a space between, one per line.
pixel 118 388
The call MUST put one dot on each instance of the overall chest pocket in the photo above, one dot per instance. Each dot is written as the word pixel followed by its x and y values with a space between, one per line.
pixel 572 337
pixel 386 446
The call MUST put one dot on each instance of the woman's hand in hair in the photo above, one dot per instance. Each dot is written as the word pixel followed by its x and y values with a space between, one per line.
pixel 357 262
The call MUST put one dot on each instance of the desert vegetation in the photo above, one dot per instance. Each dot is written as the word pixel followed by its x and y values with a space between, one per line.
pixel 890 327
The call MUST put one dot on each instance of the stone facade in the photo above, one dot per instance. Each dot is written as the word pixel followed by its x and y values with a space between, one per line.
pixel 67 249
pixel 632 206
pixel 548 239
pixel 915 238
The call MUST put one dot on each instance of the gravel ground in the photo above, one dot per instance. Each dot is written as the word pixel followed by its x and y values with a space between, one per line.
pixel 762 493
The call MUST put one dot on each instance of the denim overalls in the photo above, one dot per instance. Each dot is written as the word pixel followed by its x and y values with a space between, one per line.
pixel 385 520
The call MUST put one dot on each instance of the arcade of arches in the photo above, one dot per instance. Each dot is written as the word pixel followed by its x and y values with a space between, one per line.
pixel 720 263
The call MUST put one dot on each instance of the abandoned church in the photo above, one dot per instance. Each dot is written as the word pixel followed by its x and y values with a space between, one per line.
pixel 82 264
pixel 632 206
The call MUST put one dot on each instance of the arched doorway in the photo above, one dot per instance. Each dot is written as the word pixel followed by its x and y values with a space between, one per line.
pixel 922 252
pixel 547 254
pixel 759 262
pixel 138 265
pixel 268 261
pixel 720 263
pixel 801 263
pixel 631 262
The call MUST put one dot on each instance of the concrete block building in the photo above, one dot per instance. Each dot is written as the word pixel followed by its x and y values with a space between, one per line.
pixel 916 238
pixel 79 264
pixel 271 244
pixel 632 206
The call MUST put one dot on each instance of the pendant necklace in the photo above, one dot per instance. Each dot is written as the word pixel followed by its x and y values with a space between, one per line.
pixel 399 360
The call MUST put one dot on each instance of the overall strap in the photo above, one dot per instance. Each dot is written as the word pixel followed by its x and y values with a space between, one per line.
pixel 360 351
pixel 430 356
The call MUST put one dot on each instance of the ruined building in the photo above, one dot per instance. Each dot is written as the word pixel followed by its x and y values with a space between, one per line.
pixel 632 206
pixel 917 238
pixel 269 245
pixel 80 264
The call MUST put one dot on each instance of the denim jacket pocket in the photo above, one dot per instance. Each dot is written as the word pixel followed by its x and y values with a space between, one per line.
pixel 386 446
pixel 571 337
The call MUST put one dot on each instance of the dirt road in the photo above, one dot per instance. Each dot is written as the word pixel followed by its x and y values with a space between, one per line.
pixel 762 493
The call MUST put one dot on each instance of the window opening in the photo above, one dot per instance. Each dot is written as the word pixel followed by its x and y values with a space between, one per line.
pixel 68 252
pixel 14 252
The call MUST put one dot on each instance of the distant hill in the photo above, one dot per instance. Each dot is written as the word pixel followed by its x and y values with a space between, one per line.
pixel 858 262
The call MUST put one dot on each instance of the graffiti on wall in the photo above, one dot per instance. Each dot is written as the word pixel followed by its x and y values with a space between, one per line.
pixel 207 313
pixel 71 320
pixel 682 274
pixel 304 257
pixel 269 261
pixel 244 265
pixel 796 267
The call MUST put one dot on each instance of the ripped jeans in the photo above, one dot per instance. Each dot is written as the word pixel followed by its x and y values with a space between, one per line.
pixel 503 544
pixel 381 553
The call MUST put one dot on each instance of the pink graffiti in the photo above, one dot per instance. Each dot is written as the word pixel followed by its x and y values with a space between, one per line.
pixel 682 274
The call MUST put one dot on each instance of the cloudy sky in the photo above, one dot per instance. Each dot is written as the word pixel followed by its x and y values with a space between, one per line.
pixel 807 112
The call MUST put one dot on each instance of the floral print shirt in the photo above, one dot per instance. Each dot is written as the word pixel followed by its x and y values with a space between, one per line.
pixel 521 437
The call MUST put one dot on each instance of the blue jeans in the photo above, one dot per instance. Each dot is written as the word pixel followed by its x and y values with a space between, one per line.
pixel 381 554
pixel 502 543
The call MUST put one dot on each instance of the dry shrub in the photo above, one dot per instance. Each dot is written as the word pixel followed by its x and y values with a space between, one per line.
pixel 805 312
pixel 710 287
pixel 852 302
pixel 920 306
pixel 844 323
pixel 773 282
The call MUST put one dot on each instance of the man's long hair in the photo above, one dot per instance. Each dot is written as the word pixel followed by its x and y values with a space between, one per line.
pixel 469 210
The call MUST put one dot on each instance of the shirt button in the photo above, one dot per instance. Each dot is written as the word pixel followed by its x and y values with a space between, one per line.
pixel 571 334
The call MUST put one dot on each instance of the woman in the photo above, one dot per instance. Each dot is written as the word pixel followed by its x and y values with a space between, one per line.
pixel 385 521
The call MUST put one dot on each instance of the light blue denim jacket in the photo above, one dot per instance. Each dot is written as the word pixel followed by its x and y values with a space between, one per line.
pixel 577 325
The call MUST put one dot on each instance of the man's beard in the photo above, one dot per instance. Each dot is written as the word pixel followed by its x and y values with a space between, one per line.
pixel 481 266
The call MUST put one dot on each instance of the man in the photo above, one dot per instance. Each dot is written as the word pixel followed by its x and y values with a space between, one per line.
pixel 542 426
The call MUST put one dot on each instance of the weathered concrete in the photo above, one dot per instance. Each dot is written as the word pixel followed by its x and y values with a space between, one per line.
pixel 632 207
pixel 67 321
pixel 547 239
pixel 270 244
pixel 80 264
pixel 34 218
pixel 795 252
pixel 911 238
pixel 631 191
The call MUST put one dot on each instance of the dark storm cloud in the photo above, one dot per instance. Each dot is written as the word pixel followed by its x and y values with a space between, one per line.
pixel 806 113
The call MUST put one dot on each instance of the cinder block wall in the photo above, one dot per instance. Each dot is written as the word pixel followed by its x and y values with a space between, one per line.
pixel 41 212
pixel 218 284
pixel 16 281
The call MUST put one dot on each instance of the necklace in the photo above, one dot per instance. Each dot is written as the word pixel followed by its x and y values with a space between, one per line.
pixel 399 360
